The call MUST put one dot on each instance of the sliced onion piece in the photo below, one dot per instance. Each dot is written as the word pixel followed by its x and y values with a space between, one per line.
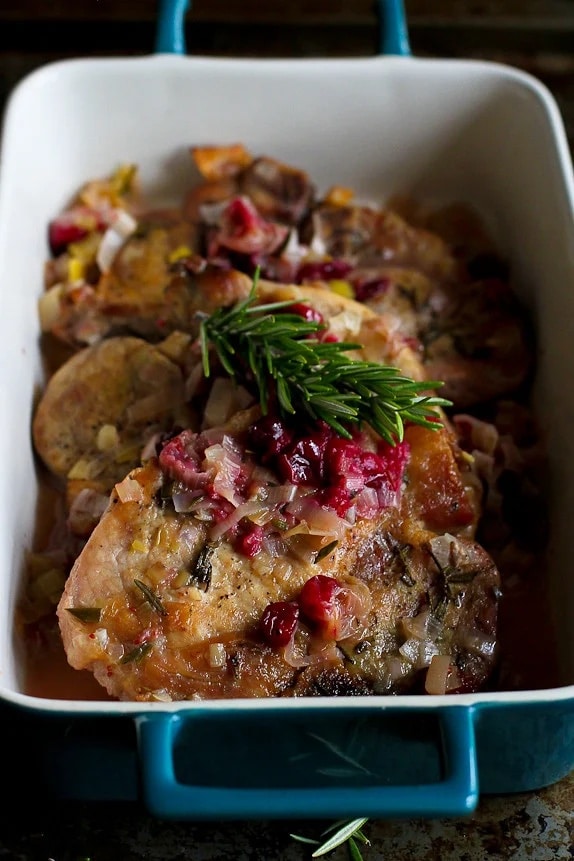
pixel 397 668
pixel 225 399
pixel 441 547
pixel 295 652
pixel 356 602
pixel 217 655
pixel 293 250
pixel 324 651
pixel 437 675
pixel 185 499
pixel 416 626
pixel 427 651
pixel 122 226
pixel 273 545
pixel 49 307
pixel 224 460
pixel 130 490
pixel 243 510
pixel 367 503
pixel 281 495
pixel 321 521
pixel 411 649
pixel 477 642
pixel 86 510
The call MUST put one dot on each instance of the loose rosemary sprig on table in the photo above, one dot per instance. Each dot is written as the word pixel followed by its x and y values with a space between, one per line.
pixel 263 343
pixel 344 831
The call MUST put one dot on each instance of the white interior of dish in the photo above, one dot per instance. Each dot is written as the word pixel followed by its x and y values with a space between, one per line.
pixel 439 130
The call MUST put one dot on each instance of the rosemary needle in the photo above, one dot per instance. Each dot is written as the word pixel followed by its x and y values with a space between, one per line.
pixel 282 356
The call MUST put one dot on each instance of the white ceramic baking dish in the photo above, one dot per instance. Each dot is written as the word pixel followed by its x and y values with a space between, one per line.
pixel 439 130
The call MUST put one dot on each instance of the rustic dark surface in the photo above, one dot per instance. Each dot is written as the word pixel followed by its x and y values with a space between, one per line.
pixel 533 827
pixel 536 35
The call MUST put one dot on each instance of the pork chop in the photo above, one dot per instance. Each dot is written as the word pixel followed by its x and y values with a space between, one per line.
pixel 271 558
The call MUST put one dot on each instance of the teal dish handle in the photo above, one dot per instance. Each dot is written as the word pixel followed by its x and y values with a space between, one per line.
pixel 170 35
pixel 454 792
pixel 393 33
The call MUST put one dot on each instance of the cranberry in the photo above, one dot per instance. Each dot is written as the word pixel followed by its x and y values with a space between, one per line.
pixel 243 230
pixel 249 542
pixel 319 602
pixel 72 226
pixel 304 461
pixel 179 458
pixel 349 461
pixel 269 436
pixel 309 314
pixel 395 459
pixel 279 622
pixel 241 216
pixel 324 270
pixel 338 498
pixel 370 289
pixel 295 469
pixel 301 463
pixel 220 509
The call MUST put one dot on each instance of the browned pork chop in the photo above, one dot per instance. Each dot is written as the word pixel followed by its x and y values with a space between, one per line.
pixel 472 332
pixel 169 597
pixel 158 610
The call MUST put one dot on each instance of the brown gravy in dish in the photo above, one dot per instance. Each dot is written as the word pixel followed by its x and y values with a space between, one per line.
pixel 436 273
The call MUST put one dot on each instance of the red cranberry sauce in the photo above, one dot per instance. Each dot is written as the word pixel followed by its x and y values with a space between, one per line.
pixel 307 312
pixel 364 287
pixel 370 288
pixel 216 474
pixel 340 469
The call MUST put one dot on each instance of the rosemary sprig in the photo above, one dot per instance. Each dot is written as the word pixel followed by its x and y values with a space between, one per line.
pixel 280 354
pixel 343 831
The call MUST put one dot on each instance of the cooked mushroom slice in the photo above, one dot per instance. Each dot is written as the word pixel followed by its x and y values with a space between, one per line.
pixel 280 192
